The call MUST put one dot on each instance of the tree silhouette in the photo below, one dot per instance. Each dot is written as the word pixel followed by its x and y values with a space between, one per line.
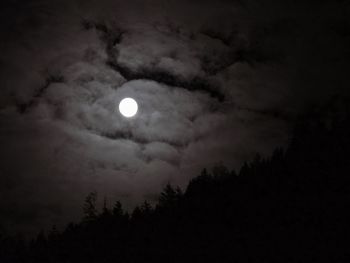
pixel 169 196
pixel 90 211
pixel 118 209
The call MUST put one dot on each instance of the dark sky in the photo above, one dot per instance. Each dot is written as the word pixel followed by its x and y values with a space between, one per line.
pixel 216 81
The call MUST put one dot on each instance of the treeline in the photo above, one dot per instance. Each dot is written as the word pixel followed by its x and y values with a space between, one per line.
pixel 290 207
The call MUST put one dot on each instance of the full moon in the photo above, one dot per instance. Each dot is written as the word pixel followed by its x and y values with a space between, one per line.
pixel 128 107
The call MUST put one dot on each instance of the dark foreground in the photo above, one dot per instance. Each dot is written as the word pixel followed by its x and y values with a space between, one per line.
pixel 290 207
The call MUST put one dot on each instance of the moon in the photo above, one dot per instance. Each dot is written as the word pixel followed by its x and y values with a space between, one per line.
pixel 128 107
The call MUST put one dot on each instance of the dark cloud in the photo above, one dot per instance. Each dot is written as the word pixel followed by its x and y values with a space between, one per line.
pixel 215 82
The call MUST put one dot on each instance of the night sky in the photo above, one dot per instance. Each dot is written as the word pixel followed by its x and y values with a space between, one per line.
pixel 215 81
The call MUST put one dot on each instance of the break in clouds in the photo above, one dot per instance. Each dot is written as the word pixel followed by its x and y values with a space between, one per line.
pixel 215 83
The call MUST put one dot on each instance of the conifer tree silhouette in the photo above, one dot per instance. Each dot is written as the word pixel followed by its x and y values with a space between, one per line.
pixel 89 208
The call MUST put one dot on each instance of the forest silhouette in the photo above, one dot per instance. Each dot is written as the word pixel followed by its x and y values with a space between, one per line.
pixel 289 207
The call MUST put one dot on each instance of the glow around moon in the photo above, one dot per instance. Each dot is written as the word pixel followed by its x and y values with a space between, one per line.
pixel 128 107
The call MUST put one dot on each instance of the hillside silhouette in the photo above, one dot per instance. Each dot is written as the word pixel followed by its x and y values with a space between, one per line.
pixel 289 207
